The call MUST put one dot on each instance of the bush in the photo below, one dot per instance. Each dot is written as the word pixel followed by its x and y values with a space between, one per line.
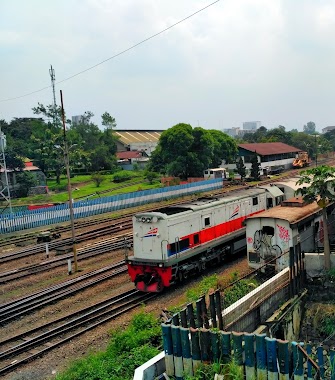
pixel 128 349
pixel 122 176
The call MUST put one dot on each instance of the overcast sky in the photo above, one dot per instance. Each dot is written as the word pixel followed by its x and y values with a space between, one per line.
pixel 236 61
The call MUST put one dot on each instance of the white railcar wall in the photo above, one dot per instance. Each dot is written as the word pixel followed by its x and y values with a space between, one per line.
pixel 58 214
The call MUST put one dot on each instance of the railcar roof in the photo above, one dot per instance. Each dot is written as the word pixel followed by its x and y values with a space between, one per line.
pixel 288 213
pixel 206 202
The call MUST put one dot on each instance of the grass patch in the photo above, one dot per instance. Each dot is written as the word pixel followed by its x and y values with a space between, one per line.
pixel 127 350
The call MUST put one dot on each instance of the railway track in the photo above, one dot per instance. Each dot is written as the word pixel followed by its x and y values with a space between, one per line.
pixel 27 346
pixel 40 248
pixel 12 310
pixel 106 245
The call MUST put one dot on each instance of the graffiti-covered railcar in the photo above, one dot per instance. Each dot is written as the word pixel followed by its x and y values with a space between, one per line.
pixel 294 226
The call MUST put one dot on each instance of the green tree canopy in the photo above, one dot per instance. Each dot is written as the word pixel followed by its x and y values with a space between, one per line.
pixel 321 181
pixel 186 152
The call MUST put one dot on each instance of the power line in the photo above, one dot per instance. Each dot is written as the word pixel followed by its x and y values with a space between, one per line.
pixel 116 55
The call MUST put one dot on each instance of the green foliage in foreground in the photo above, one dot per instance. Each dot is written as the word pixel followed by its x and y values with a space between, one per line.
pixel 127 350
pixel 207 371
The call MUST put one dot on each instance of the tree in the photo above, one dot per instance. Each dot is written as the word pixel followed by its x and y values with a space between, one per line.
pixel 255 167
pixel 184 151
pixel 25 180
pixel 97 178
pixel 225 148
pixel 241 169
pixel 309 128
pixel 321 180
pixel 108 121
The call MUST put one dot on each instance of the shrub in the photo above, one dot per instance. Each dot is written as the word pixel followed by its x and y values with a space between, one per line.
pixel 122 176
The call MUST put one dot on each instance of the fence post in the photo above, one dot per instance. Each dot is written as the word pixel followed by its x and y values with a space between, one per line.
pixel 177 352
pixel 283 359
pixel 212 309
pixel 204 312
pixel 195 342
pixel 183 318
pixel 186 350
pixel 205 345
pixel 298 365
pixel 249 356
pixel 190 314
pixel 309 365
pixel 261 357
pixel 199 313
pixel 215 343
pixel 225 346
pixel 237 347
pixel 271 350
pixel 219 309
pixel 321 361
pixel 167 344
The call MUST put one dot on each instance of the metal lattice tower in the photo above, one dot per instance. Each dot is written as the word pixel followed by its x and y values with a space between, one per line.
pixel 53 78
pixel 4 184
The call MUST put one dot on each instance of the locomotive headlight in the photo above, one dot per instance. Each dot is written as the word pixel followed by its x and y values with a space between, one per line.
pixel 160 265
pixel 148 220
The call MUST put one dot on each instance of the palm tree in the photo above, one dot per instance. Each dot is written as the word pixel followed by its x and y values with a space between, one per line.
pixel 322 184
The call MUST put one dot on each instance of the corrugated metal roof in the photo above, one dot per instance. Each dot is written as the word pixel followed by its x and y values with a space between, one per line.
pixel 128 136
pixel 291 214
pixel 129 154
pixel 266 149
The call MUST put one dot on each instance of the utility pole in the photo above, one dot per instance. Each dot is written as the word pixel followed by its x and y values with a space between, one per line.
pixel 316 152
pixel 4 191
pixel 53 78
pixel 67 165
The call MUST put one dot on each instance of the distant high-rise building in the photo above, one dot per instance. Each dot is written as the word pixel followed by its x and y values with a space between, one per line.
pixel 77 119
pixel 251 125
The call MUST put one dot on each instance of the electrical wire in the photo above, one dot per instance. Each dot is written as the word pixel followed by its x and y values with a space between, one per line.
pixel 115 55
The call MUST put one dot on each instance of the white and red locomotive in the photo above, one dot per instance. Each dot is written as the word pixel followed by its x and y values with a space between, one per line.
pixel 173 242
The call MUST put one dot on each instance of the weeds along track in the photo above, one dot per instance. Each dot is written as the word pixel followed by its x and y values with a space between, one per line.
pixel 32 344
pixel 103 246
pixel 14 309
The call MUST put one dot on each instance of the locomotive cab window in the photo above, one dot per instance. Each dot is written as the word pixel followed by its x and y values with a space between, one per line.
pixel 254 201
pixel 206 221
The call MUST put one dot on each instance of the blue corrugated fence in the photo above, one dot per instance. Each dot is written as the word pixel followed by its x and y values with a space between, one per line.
pixel 23 220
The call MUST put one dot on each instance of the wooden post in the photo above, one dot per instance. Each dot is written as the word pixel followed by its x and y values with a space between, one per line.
pixel 212 309
pixel 215 343
pixel 190 314
pixel 225 346
pixel 199 314
pixel 186 351
pixel 271 351
pixel 283 359
pixel 321 361
pixel 261 356
pixel 175 319
pixel 195 342
pixel 168 349
pixel 298 364
pixel 204 312
pixel 237 347
pixel 183 318
pixel 205 346
pixel 249 360
pixel 177 352
pixel 219 309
